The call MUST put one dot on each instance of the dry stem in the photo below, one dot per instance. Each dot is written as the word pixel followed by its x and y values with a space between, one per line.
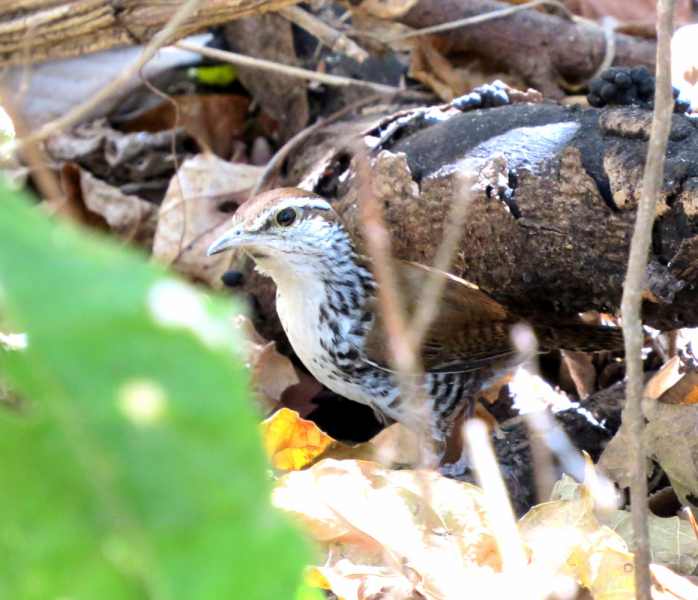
pixel 408 371
pixel 632 292
pixel 267 65
pixel 498 505
pixel 71 117
pixel 496 14
pixel 333 39
pixel 428 305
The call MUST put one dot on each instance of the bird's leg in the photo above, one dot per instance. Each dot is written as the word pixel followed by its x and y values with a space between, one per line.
pixel 454 459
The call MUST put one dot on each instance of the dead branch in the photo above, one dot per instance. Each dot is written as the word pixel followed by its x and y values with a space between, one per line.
pixel 172 28
pixel 333 39
pixel 633 290
pixel 408 370
pixel 542 48
pixel 266 65
pixel 75 27
pixel 549 237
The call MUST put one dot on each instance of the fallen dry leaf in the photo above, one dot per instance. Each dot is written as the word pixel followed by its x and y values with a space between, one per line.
pixel 430 67
pixel 626 11
pixel 671 434
pixel 292 442
pixel 98 204
pixel 196 210
pixel 567 536
pixel 670 586
pixel 213 120
pixel 385 9
pixel 273 373
pixel 380 517
pixel 672 540
pixel 672 438
pixel 582 371
pixel 416 535
pixel 283 98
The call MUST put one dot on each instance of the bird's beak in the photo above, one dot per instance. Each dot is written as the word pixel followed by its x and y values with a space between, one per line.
pixel 233 238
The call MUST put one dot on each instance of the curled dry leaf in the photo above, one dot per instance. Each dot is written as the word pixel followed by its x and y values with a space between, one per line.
pixel 283 98
pixel 385 9
pixel 671 434
pixel 376 517
pixel 197 210
pixel 566 535
pixel 292 442
pixel 213 120
pixel 672 540
pixel 272 373
pixel 95 203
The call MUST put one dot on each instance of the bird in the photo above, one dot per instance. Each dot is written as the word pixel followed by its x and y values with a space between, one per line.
pixel 327 303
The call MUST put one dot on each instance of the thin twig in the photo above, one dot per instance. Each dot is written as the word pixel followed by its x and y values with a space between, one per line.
pixel 691 519
pixel 632 293
pixel 495 14
pixel 45 179
pixel 428 304
pixel 71 117
pixel 267 65
pixel 333 39
pixel 415 405
pixel 284 151
pixel 498 505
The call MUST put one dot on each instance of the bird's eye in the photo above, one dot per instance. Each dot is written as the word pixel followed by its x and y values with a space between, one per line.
pixel 286 217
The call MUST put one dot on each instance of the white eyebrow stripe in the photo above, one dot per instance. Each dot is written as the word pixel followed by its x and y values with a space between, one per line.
pixel 315 203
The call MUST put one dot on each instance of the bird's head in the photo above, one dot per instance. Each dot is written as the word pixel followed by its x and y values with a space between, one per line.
pixel 287 228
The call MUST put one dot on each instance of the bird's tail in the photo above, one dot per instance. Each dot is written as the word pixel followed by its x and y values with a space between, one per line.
pixel 579 337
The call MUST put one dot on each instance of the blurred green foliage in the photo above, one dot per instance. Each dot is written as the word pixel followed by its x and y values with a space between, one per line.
pixel 136 470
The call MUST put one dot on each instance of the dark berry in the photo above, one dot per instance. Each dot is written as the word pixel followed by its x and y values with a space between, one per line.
pixel 607 93
pixel 610 74
pixel 623 81
pixel 232 278
pixel 500 98
pixel 640 74
pixel 594 101
pixel 628 97
pixel 595 84
pixel 645 88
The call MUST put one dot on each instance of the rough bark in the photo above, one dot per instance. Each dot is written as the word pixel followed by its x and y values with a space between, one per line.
pixel 543 48
pixel 548 233
pixel 32 30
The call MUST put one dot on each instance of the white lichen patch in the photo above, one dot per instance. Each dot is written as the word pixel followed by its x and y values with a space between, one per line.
pixel 142 401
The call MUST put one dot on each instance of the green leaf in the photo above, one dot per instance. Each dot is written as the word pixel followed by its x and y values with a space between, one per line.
pixel 220 75
pixel 137 471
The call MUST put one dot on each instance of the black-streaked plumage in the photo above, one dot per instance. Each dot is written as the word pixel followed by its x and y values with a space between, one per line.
pixel 326 300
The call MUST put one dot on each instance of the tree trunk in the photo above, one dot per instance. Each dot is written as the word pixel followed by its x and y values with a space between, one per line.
pixel 548 231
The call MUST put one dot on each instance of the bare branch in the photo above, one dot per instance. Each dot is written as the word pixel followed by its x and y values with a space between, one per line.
pixel 267 65
pixel 497 498
pixel 158 41
pixel 495 14
pixel 71 27
pixel 632 292
pixel 416 406
pixel 428 305
pixel 333 39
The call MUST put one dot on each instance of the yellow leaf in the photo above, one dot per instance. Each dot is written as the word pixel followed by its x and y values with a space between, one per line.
pixel 292 442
